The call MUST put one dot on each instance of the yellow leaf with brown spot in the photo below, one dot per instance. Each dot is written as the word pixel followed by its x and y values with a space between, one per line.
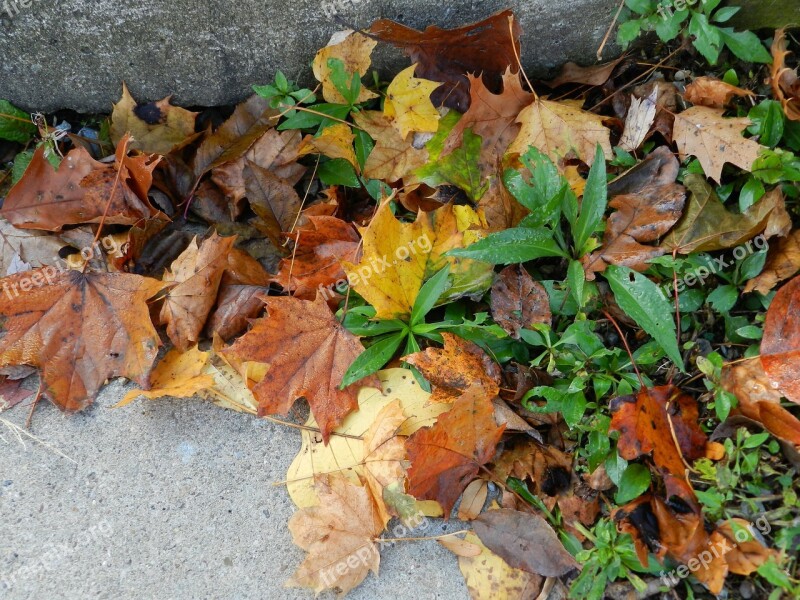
pixel 393 157
pixel 335 141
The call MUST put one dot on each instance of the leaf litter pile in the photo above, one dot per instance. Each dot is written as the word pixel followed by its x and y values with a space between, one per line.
pixel 566 312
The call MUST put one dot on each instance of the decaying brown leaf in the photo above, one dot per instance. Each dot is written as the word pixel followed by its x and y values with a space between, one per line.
pixel 79 329
pixel 783 262
pixel 393 157
pixel 446 457
pixel 518 301
pixel 712 92
pixel 780 346
pixel 525 541
pixel 339 536
pixel 450 55
pixel 784 81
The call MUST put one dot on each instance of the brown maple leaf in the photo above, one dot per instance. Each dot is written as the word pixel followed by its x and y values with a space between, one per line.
pixel 448 455
pixel 196 275
pixel 493 117
pixel 518 301
pixel 320 247
pixel 339 536
pixel 454 369
pixel 393 157
pixel 308 352
pixel 78 329
pixel 450 55
pixel 236 305
pixel 79 191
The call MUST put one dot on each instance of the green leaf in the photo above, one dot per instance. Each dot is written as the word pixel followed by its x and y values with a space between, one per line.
pixel 708 40
pixel 745 45
pixel 634 482
pixel 723 298
pixel 708 5
pixel 429 294
pixel 768 122
pixel 338 171
pixel 576 279
pixel 752 191
pixel 543 195
pixel 628 32
pixel 21 162
pixel 593 206
pixel 725 14
pixel 516 245
pixel 15 125
pixel 641 7
pixel 641 299
pixel 306 120
pixel 460 168
pixel 668 29
pixel 372 359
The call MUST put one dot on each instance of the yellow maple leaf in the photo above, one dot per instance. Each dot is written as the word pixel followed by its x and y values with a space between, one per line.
pixel 335 141
pixel 558 128
pixel 399 257
pixel 408 103
pixel 354 50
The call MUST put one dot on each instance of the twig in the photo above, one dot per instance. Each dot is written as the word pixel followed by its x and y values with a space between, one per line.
pixel 610 29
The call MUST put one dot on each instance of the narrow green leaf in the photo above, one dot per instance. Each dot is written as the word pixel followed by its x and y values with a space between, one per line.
pixel 429 294
pixel 372 359
pixel 641 300
pixel 516 245
pixel 576 278
pixel 593 206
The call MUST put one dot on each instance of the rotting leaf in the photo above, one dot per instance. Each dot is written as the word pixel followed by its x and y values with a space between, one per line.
pixel 780 346
pixel 518 301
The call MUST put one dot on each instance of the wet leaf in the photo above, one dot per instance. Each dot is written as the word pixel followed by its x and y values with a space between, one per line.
pixel 518 301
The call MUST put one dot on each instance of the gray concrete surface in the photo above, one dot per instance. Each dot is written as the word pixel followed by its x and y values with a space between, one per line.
pixel 76 53
pixel 169 500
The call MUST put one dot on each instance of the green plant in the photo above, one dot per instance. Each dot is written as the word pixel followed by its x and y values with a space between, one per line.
pixel 284 94
pixel 698 19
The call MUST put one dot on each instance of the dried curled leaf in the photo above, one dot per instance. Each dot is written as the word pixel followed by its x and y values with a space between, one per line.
pixel 711 92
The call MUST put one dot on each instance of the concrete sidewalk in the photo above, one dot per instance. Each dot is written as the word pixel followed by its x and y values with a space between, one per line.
pixel 169 499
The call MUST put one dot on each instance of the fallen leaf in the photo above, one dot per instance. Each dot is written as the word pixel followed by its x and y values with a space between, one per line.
pixel 78 192
pixel 489 577
pixel 339 536
pixel 308 352
pixel 26 249
pixel 275 151
pixel 548 468
pixel 457 367
pixel 399 257
pixel 196 275
pixel 557 129
pixel 780 346
pixel 525 541
pixel 354 50
pixel 449 55
pixel 472 500
pixel 759 400
pixel 639 120
pixel 178 374
pixel 639 218
pixel 393 157
pixel 408 103
pixel 493 117
pixel 665 422
pixel 248 123
pixel 783 262
pixel 518 301
pixel 712 92
pixel 335 141
pixel 236 304
pixel 706 224
pixel 156 127
pixel 460 547
pixel 704 133
pixel 12 393
pixel 591 75
pixel 784 81
pixel 448 455
pixel 321 247
pixel 273 199
pixel 660 167
pixel 79 329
